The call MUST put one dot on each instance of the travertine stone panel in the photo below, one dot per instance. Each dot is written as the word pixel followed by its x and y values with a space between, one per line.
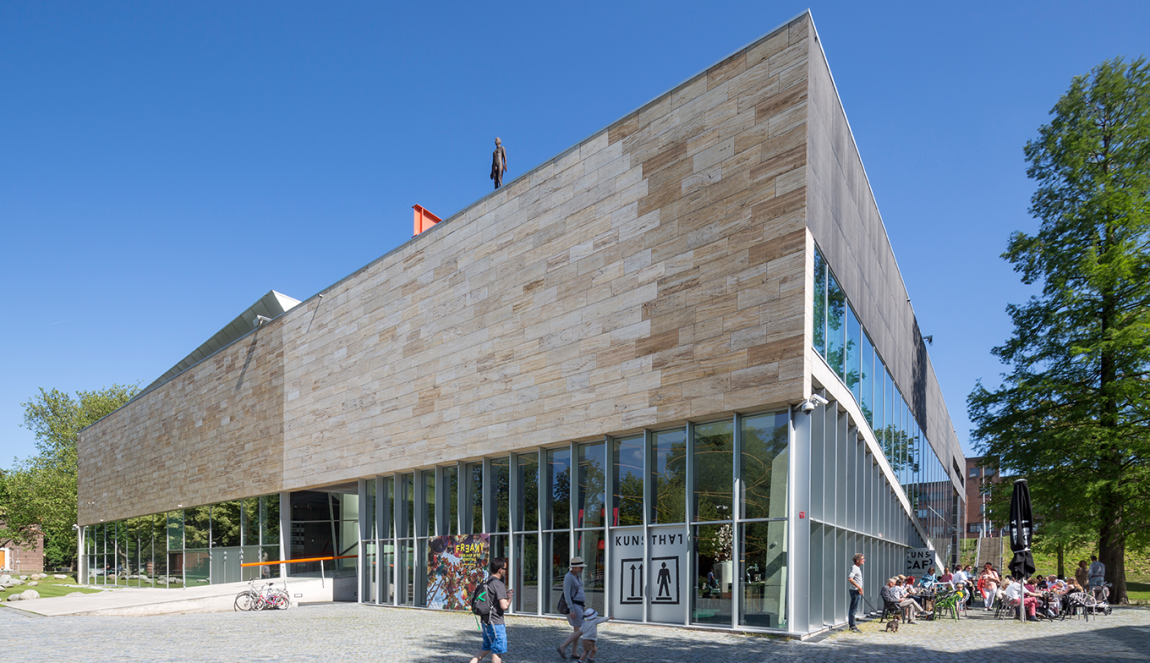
pixel 212 433
pixel 652 274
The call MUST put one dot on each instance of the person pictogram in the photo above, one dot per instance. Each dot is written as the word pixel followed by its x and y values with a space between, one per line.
pixel 664 581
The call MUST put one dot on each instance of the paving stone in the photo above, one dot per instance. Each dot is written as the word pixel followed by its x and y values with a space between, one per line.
pixel 350 632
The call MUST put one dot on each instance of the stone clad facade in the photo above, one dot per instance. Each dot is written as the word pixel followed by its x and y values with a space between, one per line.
pixel 651 274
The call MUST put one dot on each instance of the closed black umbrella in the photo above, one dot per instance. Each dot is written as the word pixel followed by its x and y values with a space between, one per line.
pixel 1022 565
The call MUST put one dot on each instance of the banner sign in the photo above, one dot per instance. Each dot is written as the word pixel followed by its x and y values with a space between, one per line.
pixel 918 561
pixel 456 565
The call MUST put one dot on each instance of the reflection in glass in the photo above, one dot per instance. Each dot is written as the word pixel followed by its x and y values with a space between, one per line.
pixel 250 521
pixel 628 478
pixel 497 547
pixel 451 494
pixel 406 572
pixel 197 567
pixel 592 477
pixel 387 571
pixel 820 304
pixel 159 551
pixel 711 598
pixel 501 492
pixel 130 553
pixel 226 524
pixel 669 476
pixel 427 527
pixel 370 573
pixel 527 515
pixel 473 475
pixel 407 502
pixel 557 551
pixel 175 532
pixel 879 399
pixel 714 471
pixel 888 418
pixel 369 506
pixel 763 565
pixel 386 505
pixel 197 527
pixel 558 494
pixel 853 345
pixel 270 521
pixel 764 465
pixel 836 325
pixel 592 548
pixel 526 582
pixel 866 380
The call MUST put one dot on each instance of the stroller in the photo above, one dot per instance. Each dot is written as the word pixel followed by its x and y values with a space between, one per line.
pixel 1088 604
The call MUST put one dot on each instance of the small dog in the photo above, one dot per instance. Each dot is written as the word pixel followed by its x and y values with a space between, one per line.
pixel 892 625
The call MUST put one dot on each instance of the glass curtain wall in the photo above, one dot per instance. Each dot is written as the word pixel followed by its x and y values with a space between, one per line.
pixel 679 526
pixel 200 545
pixel 844 344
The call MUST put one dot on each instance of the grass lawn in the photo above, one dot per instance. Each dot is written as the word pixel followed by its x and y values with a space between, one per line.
pixel 48 587
pixel 1138 592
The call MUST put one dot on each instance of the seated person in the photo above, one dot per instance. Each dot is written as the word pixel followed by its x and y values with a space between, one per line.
pixel 1015 595
pixel 909 606
pixel 929 579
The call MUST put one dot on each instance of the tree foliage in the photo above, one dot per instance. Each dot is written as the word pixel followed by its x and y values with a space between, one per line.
pixel 1071 414
pixel 39 493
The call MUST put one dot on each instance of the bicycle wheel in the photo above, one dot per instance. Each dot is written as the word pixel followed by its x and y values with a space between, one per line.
pixel 243 602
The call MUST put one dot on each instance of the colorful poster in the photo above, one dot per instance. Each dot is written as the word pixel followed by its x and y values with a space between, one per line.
pixel 456 565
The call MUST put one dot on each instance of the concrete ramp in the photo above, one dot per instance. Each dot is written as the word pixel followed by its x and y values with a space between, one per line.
pixel 133 601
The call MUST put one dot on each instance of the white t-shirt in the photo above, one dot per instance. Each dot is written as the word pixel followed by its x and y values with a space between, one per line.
pixel 959 576
pixel 855 575
pixel 1014 591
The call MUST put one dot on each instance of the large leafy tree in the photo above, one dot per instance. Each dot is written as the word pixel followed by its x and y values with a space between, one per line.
pixel 1071 414
pixel 39 494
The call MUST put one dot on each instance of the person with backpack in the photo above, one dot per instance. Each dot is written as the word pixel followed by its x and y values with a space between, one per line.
pixel 489 602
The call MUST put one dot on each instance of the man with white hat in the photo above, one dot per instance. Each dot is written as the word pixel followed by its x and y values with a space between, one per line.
pixel 575 599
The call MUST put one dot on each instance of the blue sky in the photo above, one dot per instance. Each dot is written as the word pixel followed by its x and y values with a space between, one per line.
pixel 163 165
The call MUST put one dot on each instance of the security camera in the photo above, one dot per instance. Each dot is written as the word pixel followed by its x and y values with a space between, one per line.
pixel 261 320
pixel 812 402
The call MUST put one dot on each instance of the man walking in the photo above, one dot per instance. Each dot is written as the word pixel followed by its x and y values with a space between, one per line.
pixel 855 582
pixel 494 629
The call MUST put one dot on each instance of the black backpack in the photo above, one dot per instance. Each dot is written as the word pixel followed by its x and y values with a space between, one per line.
pixel 481 600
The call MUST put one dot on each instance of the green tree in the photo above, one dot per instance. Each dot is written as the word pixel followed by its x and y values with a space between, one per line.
pixel 39 493
pixel 1071 414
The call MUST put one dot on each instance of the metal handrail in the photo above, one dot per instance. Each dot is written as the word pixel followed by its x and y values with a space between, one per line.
pixel 300 561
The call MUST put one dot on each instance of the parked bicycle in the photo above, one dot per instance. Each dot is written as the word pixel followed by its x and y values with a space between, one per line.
pixel 267 598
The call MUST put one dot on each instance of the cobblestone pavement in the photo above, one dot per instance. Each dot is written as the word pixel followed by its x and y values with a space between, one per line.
pixel 349 632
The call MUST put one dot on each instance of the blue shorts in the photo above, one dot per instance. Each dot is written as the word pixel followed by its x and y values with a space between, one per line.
pixel 495 638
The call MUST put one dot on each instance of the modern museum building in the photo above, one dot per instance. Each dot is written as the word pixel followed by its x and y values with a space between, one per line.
pixel 681 349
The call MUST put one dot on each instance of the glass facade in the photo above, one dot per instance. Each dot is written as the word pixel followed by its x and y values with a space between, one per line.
pixel 188 547
pixel 680 526
pixel 845 345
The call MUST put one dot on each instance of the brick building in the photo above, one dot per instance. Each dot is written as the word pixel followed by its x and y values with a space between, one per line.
pixel 976 523
pixel 22 558
pixel 682 344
